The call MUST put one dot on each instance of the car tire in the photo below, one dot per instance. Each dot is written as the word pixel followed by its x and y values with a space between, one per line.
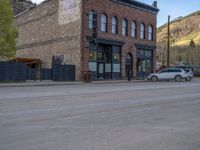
pixel 178 78
pixel 154 78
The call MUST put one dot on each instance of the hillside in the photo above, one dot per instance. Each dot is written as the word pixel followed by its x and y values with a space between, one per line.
pixel 182 31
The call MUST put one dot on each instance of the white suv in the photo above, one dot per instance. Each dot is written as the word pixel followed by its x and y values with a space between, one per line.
pixel 168 74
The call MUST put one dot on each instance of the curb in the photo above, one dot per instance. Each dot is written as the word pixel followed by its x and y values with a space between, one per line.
pixel 117 81
pixel 38 84
pixel 30 84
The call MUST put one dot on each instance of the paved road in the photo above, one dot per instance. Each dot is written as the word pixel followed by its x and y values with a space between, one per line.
pixel 119 116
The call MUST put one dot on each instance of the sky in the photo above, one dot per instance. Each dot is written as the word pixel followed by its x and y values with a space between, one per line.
pixel 174 8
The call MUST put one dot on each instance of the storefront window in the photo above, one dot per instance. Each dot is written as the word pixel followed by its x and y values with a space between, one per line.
pixel 104 62
pixel 141 53
pixel 116 58
pixel 149 66
pixel 144 66
pixel 116 54
pixel 144 62
pixel 92 56
pixel 100 56
pixel 116 50
pixel 148 54
pixel 107 55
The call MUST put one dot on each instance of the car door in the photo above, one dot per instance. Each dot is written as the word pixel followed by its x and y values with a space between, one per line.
pixel 163 74
pixel 171 73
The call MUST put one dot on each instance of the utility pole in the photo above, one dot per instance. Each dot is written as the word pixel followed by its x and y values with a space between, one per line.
pixel 168 41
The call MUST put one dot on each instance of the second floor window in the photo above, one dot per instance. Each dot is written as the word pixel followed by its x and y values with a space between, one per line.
pixel 133 29
pixel 142 31
pixel 114 24
pixel 103 23
pixel 150 35
pixel 91 19
pixel 124 27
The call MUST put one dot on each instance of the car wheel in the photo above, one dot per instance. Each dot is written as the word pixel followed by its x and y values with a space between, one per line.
pixel 154 78
pixel 177 78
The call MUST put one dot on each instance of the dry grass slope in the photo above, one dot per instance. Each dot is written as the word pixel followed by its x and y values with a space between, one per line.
pixel 182 31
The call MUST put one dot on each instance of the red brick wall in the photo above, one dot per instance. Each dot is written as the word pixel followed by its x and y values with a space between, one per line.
pixel 120 11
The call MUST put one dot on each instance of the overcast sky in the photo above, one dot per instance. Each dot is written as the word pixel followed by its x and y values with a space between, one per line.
pixel 174 8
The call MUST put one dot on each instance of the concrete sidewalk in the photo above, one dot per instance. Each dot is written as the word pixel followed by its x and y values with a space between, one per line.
pixel 38 83
pixel 54 83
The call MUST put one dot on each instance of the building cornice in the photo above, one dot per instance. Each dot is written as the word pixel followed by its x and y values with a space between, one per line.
pixel 105 41
pixel 137 5
pixel 144 46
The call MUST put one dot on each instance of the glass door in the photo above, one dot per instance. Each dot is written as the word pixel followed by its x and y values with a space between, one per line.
pixel 129 66
pixel 101 70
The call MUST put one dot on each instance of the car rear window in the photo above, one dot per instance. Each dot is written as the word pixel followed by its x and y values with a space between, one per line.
pixel 164 71
pixel 175 70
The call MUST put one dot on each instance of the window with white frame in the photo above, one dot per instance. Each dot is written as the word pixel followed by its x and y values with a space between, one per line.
pixel 150 35
pixel 91 19
pixel 114 24
pixel 103 23
pixel 124 27
pixel 142 31
pixel 133 29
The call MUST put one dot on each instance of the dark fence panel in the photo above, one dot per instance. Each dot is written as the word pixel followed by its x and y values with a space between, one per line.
pixel 19 71
pixel 12 71
pixel 46 74
pixel 3 71
pixel 63 72
pixel 31 73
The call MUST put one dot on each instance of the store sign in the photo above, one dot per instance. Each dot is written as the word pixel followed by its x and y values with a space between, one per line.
pixel 69 11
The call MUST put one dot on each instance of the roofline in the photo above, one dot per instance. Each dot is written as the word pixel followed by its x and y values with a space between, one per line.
pixel 41 3
pixel 131 3
pixel 137 5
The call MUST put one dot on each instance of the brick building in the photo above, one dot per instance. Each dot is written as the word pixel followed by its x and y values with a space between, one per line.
pixel 112 38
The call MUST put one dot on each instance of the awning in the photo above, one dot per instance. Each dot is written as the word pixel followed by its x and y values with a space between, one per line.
pixel 26 60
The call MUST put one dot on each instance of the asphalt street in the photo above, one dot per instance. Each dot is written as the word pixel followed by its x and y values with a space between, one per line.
pixel 117 116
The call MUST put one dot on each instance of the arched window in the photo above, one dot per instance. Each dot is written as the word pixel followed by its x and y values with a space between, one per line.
pixel 124 27
pixel 142 31
pixel 114 24
pixel 103 23
pixel 150 31
pixel 91 19
pixel 133 29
